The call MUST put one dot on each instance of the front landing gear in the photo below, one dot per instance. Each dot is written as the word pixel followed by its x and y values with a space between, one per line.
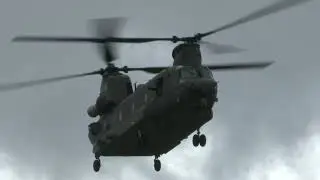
pixel 199 139
pixel 157 164
pixel 96 164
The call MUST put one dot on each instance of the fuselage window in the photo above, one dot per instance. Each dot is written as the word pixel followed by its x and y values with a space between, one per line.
pixel 159 86
pixel 129 88
pixel 145 98
pixel 160 82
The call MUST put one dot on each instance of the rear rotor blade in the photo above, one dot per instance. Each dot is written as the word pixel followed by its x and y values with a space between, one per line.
pixel 273 8
pixel 221 48
pixel 20 85
pixel 30 38
pixel 240 66
pixel 230 66
pixel 110 29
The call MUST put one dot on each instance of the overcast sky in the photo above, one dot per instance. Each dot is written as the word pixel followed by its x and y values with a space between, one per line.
pixel 265 126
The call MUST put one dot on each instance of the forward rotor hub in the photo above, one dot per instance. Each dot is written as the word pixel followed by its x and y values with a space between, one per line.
pixel 111 69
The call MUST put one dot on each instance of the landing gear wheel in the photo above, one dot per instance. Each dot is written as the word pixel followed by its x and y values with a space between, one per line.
pixel 157 165
pixel 195 140
pixel 96 165
pixel 202 140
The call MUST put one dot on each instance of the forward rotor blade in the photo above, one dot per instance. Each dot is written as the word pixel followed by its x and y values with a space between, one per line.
pixel 240 66
pixel 104 28
pixel 20 85
pixel 273 8
pixel 221 48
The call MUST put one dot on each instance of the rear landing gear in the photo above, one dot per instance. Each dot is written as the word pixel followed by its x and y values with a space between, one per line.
pixel 96 164
pixel 199 139
pixel 157 164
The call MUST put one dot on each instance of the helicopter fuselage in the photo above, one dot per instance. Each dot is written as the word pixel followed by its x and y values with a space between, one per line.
pixel 165 110
pixel 158 115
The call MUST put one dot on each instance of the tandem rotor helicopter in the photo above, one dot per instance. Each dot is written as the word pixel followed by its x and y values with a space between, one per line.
pixel 152 118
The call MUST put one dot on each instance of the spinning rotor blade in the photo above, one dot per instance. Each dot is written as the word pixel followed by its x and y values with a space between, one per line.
pixel 153 70
pixel 86 39
pixel 221 48
pixel 56 39
pixel 107 24
pixel 273 8
pixel 104 28
pixel 231 66
pixel 240 66
pixel 20 85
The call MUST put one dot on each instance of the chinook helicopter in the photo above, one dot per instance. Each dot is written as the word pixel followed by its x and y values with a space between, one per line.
pixel 152 118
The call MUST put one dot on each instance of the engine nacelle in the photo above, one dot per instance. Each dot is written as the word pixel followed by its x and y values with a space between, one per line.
pixel 103 105
pixel 92 111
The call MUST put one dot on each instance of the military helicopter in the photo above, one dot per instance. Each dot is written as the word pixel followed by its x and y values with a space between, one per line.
pixel 152 118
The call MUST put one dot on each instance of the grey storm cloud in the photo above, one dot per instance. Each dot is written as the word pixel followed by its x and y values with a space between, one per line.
pixel 43 129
